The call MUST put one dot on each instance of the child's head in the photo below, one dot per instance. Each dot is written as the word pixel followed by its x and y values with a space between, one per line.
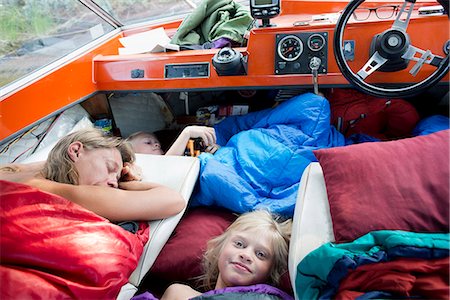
pixel 252 250
pixel 145 142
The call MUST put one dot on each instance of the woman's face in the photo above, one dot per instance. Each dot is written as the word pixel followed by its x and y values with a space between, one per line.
pixel 147 144
pixel 246 259
pixel 102 167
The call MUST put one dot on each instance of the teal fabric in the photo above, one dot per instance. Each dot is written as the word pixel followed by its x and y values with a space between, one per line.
pixel 313 270
pixel 211 20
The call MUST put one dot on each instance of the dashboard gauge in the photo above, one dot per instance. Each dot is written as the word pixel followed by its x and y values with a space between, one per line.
pixel 316 42
pixel 290 48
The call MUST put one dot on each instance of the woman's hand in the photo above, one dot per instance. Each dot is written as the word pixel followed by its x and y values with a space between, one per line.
pixel 131 172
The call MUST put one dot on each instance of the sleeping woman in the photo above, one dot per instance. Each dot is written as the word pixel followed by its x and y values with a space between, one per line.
pixel 98 173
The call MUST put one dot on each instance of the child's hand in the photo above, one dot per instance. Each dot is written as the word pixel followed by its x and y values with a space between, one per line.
pixel 208 134
pixel 131 172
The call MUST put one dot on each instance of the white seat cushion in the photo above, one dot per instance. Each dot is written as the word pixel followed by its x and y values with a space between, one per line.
pixel 312 226
pixel 178 172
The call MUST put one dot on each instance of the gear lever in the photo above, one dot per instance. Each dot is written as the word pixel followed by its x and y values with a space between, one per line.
pixel 314 65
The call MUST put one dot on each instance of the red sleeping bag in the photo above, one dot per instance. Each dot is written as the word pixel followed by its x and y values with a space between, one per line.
pixel 52 248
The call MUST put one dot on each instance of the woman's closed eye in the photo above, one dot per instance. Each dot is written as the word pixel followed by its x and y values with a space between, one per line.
pixel 113 168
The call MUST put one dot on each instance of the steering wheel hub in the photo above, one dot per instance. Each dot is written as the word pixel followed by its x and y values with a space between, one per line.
pixel 392 43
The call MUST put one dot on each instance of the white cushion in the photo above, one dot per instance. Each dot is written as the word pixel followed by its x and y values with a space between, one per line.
pixel 312 226
pixel 178 172
pixel 127 292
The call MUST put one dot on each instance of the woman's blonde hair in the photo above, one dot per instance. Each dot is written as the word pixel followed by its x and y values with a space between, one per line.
pixel 260 221
pixel 59 166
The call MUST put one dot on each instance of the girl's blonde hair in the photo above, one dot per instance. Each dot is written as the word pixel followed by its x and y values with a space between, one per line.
pixel 260 221
pixel 59 166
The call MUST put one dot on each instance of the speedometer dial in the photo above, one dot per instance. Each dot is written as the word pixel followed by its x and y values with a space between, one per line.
pixel 290 48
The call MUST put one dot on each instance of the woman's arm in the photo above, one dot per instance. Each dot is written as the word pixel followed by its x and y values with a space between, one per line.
pixel 208 135
pixel 20 172
pixel 140 203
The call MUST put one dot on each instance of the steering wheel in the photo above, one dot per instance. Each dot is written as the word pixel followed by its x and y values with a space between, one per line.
pixel 388 49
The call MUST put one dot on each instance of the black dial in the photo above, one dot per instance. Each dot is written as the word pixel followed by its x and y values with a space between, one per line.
pixel 290 48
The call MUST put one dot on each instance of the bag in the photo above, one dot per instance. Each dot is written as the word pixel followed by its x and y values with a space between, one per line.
pixel 353 112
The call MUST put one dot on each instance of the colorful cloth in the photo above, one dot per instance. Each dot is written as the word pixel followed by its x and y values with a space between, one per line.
pixel 212 20
pixel 256 292
pixel 322 272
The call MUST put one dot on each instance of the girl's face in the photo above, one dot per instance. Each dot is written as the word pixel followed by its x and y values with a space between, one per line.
pixel 246 259
pixel 147 144
pixel 100 167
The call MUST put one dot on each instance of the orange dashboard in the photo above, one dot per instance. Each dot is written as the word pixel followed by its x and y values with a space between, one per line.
pixel 114 72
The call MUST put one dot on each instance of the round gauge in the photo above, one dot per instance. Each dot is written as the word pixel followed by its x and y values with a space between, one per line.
pixel 290 47
pixel 316 42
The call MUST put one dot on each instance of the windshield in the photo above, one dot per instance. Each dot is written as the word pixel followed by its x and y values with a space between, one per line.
pixel 135 11
pixel 130 12
pixel 34 33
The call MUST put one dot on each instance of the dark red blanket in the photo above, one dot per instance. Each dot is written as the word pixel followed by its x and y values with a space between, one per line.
pixel 52 248
pixel 403 277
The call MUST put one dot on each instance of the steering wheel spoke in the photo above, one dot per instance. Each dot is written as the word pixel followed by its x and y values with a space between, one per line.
pixel 421 57
pixel 374 63
pixel 402 20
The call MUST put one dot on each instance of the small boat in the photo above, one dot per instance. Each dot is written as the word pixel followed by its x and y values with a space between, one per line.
pixel 364 72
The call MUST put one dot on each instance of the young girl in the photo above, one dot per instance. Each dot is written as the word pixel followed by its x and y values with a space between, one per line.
pixel 98 173
pixel 253 250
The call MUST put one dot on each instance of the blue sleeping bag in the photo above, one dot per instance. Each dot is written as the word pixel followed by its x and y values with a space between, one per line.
pixel 263 155
pixel 431 124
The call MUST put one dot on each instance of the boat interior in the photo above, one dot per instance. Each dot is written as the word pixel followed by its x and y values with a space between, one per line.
pixel 131 76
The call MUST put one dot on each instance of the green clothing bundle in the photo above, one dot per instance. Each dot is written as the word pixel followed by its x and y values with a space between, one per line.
pixel 211 20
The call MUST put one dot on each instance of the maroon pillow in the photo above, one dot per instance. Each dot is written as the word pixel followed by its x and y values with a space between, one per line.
pixel 396 185
pixel 180 259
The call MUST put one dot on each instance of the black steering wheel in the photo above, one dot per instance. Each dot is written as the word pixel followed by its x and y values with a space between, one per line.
pixel 390 51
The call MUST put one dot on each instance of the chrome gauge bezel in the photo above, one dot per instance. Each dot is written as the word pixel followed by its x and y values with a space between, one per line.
pixel 314 36
pixel 283 40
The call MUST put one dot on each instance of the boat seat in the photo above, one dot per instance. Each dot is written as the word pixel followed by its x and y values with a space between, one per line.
pixel 312 226
pixel 178 172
